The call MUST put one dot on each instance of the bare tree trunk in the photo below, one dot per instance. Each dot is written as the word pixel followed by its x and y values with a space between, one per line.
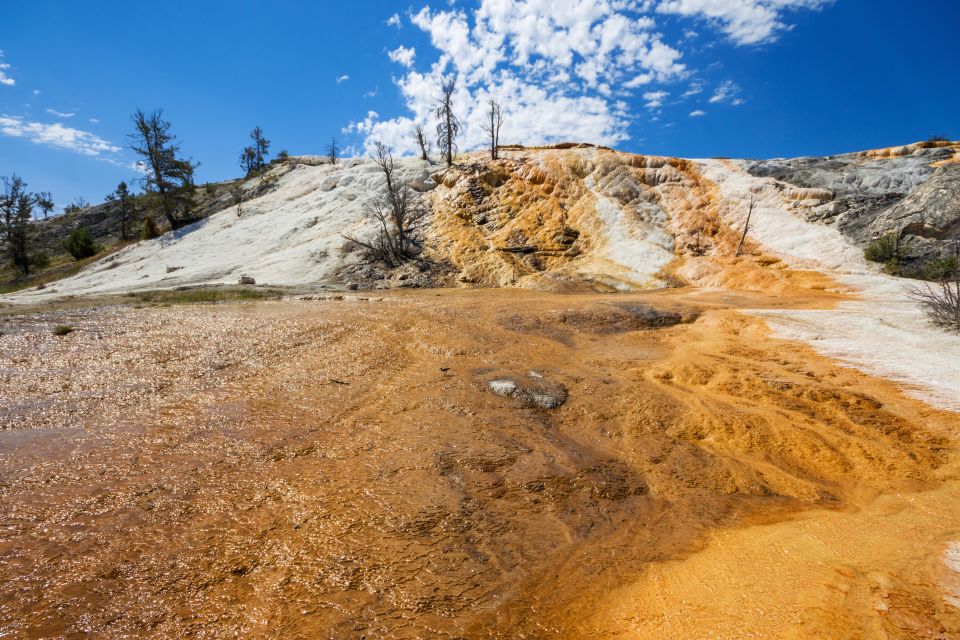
pixel 421 139
pixel 746 226
pixel 493 128
pixel 448 125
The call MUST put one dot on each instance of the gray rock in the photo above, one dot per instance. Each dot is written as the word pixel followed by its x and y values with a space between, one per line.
pixel 502 387
pixel 538 392
pixel 352 286
pixel 246 280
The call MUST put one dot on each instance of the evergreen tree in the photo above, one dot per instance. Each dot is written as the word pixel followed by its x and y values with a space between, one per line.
pixel 80 244
pixel 45 202
pixel 169 177
pixel 261 149
pixel 124 199
pixel 16 212
pixel 248 161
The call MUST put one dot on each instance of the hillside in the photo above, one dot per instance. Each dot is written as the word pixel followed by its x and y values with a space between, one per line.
pixel 549 218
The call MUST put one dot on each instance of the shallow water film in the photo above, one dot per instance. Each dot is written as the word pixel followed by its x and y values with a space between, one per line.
pixel 456 464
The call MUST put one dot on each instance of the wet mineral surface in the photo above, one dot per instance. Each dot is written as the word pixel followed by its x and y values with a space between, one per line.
pixel 451 464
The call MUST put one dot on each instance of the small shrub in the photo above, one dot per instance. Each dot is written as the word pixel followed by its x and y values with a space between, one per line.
pixel 883 249
pixel 40 260
pixel 938 139
pixel 283 155
pixel 80 244
pixel 62 330
pixel 150 229
pixel 939 269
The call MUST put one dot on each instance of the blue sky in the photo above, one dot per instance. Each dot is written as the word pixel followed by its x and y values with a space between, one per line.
pixel 694 78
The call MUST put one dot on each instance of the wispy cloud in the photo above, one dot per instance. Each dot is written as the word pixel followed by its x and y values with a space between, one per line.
pixel 654 99
pixel 698 113
pixel 394 21
pixel 728 92
pixel 342 78
pixel 4 76
pixel 745 22
pixel 56 135
pixel 693 89
pixel 94 120
pixel 60 114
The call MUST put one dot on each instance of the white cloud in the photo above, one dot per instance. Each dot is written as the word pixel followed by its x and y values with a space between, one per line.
pixel 56 135
pixel 372 93
pixel 654 99
pixel 746 22
pixel 364 126
pixel 403 55
pixel 342 78
pixel 4 77
pixel 94 120
pixel 698 113
pixel 60 114
pixel 552 66
pixel 394 21
pixel 694 89
pixel 37 92
pixel 561 70
pixel 728 92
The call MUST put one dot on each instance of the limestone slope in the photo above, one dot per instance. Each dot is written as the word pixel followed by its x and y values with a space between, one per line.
pixel 581 217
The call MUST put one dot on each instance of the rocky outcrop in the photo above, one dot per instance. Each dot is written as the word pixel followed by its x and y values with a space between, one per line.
pixel 912 191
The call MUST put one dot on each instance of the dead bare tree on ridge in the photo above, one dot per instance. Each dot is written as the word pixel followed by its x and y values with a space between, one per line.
pixel 492 127
pixel 421 138
pixel 448 126
pixel 333 151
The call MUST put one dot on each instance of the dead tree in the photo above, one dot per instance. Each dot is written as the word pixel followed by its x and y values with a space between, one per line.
pixel 395 210
pixel 333 151
pixel 746 226
pixel 492 127
pixel 448 125
pixel 422 142
pixel 941 303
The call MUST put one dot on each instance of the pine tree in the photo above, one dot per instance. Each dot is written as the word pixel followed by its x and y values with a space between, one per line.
pixel 16 213
pixel 261 148
pixel 248 161
pixel 169 177
pixel 45 202
pixel 124 199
